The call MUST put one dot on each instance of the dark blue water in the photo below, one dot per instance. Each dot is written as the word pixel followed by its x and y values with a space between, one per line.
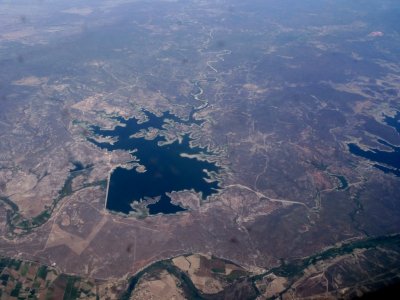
pixel 167 170
pixel 386 161
pixel 394 121
pixel 78 166
pixel 343 183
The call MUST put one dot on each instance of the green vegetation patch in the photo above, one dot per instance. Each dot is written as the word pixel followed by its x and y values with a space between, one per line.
pixel 71 292
pixel 218 270
pixel 42 272
pixel 24 269
pixel 17 288
pixel 15 264
pixel 236 274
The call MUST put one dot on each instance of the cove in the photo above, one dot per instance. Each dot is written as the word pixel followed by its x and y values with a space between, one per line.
pixel 386 161
pixel 166 169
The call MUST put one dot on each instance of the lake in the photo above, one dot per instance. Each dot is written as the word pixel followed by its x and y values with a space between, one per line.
pixel 386 161
pixel 166 169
